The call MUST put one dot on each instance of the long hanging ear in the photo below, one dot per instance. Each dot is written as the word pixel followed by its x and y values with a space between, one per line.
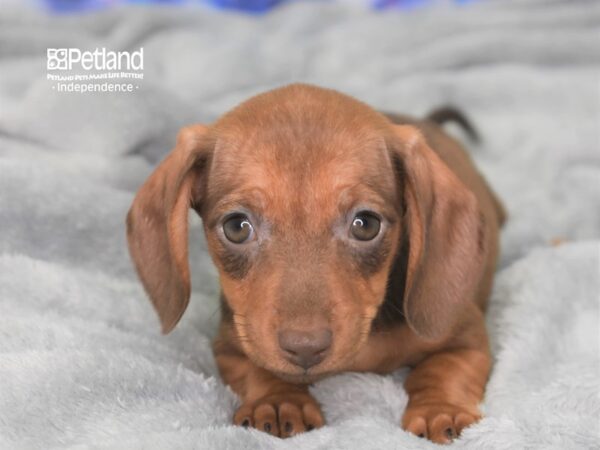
pixel 445 237
pixel 157 226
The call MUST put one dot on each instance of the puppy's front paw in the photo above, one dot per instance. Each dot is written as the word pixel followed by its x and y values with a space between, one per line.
pixel 441 422
pixel 281 415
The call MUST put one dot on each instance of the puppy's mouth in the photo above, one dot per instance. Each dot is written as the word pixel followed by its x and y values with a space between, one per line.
pixel 302 376
pixel 332 363
pixel 300 356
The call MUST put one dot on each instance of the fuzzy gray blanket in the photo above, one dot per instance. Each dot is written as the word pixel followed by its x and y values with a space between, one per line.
pixel 82 361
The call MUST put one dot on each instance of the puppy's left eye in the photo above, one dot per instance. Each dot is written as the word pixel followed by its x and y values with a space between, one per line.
pixel 237 229
pixel 365 226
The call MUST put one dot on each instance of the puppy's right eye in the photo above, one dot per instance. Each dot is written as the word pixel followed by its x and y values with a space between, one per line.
pixel 237 228
pixel 365 226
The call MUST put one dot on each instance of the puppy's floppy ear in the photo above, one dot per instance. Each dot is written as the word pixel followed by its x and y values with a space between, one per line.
pixel 445 237
pixel 157 225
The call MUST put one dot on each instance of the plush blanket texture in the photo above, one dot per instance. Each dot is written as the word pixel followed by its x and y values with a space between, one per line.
pixel 82 361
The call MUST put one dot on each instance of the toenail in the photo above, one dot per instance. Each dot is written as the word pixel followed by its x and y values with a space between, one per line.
pixel 288 427
pixel 245 423
pixel 267 427
pixel 309 427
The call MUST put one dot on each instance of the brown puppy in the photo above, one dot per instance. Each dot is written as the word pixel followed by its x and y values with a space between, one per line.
pixel 344 242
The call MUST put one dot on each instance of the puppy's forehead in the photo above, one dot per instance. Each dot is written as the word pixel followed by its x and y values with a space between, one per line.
pixel 302 148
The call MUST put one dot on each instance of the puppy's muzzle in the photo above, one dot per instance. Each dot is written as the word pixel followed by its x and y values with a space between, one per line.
pixel 305 348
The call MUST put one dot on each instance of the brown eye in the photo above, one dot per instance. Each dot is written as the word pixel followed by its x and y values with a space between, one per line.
pixel 237 228
pixel 365 226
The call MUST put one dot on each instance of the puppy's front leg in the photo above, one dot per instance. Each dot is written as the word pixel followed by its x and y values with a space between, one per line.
pixel 444 391
pixel 268 403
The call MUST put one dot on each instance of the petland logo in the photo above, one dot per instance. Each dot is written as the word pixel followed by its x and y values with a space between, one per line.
pixel 99 59
pixel 77 70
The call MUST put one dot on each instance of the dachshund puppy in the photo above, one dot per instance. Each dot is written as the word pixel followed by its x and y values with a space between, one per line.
pixel 345 240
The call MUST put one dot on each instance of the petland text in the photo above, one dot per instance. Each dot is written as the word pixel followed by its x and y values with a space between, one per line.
pixel 98 59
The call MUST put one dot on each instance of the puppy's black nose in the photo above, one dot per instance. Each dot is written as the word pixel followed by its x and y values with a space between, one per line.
pixel 305 348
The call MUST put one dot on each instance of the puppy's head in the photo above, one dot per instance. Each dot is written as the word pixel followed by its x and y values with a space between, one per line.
pixel 306 196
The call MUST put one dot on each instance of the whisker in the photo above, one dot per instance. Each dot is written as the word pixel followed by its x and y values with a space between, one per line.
pixel 243 337
pixel 212 316
pixel 396 308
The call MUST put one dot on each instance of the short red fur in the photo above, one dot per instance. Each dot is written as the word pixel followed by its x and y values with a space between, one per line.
pixel 303 299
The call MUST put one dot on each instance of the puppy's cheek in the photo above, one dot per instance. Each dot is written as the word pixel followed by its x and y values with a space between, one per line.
pixel 267 344
pixel 255 301
pixel 347 327
pixel 354 310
